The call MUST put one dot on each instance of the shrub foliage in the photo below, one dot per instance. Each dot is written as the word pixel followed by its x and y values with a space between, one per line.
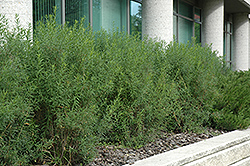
pixel 65 89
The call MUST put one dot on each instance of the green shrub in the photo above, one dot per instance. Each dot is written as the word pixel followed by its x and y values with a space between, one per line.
pixel 17 131
pixel 146 86
pixel 46 114
pixel 196 71
pixel 60 96
pixel 68 89
pixel 17 134
pixel 232 110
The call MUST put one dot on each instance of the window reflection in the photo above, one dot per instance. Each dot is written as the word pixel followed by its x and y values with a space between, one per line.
pixel 135 17
pixel 228 40
pixel 109 14
pixel 124 15
pixel 186 22
pixel 76 10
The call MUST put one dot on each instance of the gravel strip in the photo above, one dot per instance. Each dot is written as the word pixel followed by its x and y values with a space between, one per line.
pixel 117 156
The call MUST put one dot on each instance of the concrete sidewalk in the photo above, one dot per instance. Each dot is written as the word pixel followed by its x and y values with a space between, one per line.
pixel 231 148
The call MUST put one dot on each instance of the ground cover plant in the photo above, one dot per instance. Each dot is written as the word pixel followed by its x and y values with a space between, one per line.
pixel 64 90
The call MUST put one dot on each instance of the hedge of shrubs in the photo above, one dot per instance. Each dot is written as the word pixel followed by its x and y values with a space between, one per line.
pixel 65 90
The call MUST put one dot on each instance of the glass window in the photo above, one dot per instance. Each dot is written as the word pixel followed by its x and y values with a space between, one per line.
pixel 135 17
pixel 228 49
pixel 186 22
pixel 197 15
pixel 185 9
pixel 96 20
pixel 228 42
pixel 175 6
pixel 109 14
pixel 58 4
pixel 174 27
pixel 197 32
pixel 76 10
pixel 43 8
pixel 185 31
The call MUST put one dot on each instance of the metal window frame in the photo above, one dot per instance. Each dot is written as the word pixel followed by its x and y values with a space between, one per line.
pixel 230 33
pixel 139 1
pixel 63 12
pixel 128 16
pixel 91 13
pixel 186 18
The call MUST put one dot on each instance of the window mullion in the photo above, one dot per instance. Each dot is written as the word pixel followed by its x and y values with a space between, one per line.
pixel 91 12
pixel 186 18
pixel 63 11
pixel 128 16
pixel 177 21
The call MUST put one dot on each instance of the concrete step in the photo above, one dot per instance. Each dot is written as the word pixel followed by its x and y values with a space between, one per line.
pixel 243 162
pixel 230 148
pixel 224 157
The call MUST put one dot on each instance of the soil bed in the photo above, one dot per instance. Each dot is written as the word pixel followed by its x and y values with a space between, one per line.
pixel 117 155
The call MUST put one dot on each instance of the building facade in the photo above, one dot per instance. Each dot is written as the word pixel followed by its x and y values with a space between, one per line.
pixel 222 23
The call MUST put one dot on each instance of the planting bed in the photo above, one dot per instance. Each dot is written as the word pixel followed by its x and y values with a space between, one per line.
pixel 117 155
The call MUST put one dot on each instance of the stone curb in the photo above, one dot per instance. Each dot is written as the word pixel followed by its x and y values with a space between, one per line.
pixel 213 151
pixel 243 162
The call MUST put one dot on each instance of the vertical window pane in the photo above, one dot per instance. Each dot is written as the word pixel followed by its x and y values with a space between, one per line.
pixel 186 22
pixel 124 14
pixel 228 27
pixel 197 15
pixel 58 4
pixel 175 5
pixel 185 30
pixel 76 10
pixel 185 9
pixel 231 43
pixel 135 17
pixel 224 44
pixel 42 8
pixel 197 32
pixel 175 27
pixel 109 14
pixel 228 48
pixel 228 43
pixel 97 9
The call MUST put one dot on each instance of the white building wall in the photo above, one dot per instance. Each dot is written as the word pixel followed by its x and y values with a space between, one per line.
pixel 213 23
pixel 23 8
pixel 157 19
pixel 241 41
